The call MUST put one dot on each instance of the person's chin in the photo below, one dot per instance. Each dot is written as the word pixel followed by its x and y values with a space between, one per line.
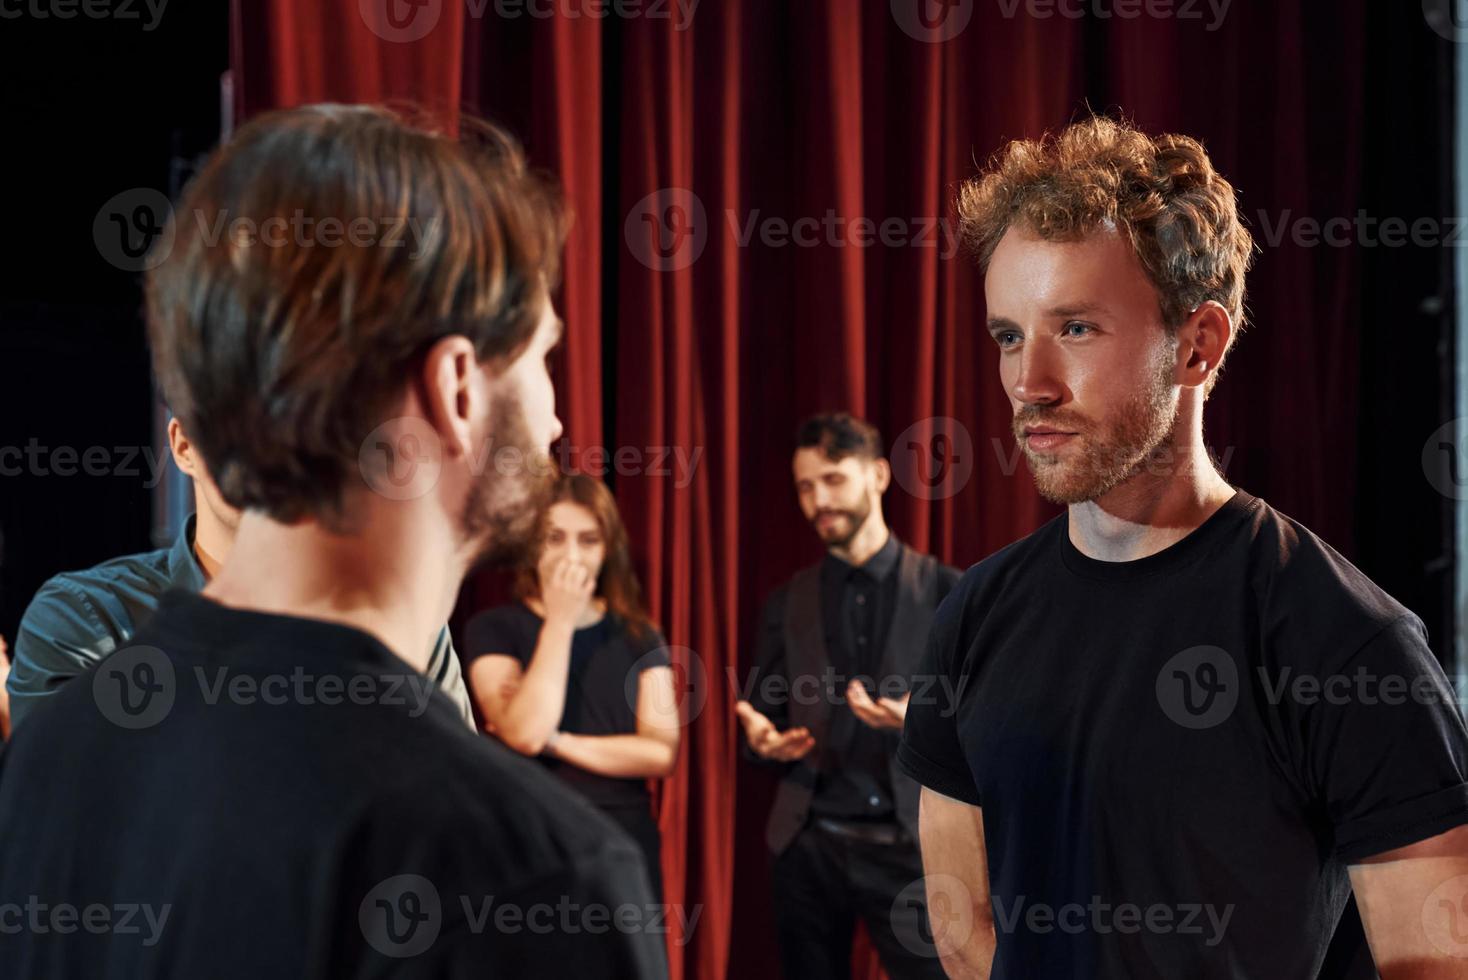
pixel 1058 481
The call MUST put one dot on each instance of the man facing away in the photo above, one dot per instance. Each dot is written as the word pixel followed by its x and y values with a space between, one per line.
pixel 1175 747
pixel 78 618
pixel 254 773
pixel 837 644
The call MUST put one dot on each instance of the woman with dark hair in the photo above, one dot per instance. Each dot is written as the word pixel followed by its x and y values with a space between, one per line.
pixel 574 673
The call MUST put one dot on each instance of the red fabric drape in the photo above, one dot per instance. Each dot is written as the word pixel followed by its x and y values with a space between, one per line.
pixel 833 111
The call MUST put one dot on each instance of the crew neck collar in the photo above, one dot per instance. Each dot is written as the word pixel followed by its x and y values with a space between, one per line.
pixel 1181 552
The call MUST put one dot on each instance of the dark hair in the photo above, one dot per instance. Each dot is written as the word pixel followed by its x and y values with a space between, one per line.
pixel 281 350
pixel 617 581
pixel 838 435
pixel 1162 193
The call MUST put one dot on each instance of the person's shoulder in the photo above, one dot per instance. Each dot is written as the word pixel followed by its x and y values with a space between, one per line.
pixel 145 570
pixel 1013 559
pixel 91 605
pixel 1307 587
pixel 499 629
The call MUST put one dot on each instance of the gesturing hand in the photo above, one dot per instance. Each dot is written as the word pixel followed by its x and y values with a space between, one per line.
pixel 884 713
pixel 767 741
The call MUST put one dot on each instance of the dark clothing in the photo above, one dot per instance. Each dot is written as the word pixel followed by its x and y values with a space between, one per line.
pixel 1200 740
pixel 799 681
pixel 823 881
pixel 638 821
pixel 284 797
pixel 856 606
pixel 607 661
pixel 832 623
pixel 77 619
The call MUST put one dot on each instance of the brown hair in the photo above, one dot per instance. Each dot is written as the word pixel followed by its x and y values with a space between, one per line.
pixel 838 435
pixel 617 582
pixel 1162 193
pixel 316 258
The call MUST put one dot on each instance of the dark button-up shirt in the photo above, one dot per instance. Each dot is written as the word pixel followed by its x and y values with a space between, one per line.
pixel 857 602
pixel 77 619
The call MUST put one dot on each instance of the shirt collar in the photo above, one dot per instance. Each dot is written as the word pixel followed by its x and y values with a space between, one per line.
pixel 879 566
pixel 183 565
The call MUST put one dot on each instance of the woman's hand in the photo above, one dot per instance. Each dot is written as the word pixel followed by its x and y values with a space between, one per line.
pixel 566 588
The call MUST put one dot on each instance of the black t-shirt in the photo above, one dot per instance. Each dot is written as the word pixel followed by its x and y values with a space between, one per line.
pixel 607 661
pixel 1178 756
pixel 239 794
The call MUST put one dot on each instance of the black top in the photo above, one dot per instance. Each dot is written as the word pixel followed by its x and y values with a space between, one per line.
pixel 607 662
pixel 1177 757
pixel 856 615
pixel 239 794
pixel 857 607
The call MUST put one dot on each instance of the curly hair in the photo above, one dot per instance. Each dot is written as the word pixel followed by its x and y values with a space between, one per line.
pixel 1162 193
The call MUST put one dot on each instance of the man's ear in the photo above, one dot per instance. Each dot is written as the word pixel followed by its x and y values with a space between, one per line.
pixel 182 449
pixel 454 393
pixel 882 471
pixel 1203 340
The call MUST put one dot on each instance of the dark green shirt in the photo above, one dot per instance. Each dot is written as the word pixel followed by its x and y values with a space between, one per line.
pixel 79 618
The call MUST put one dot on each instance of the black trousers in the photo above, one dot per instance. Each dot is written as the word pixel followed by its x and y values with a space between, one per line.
pixel 822 882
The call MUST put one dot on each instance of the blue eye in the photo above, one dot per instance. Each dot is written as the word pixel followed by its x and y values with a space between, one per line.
pixel 1006 337
pixel 1076 323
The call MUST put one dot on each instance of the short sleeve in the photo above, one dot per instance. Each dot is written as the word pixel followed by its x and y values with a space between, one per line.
pixel 930 751
pixel 653 649
pixel 1385 745
pixel 503 629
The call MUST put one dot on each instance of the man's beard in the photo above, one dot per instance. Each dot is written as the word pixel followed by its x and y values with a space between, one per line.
pixel 837 537
pixel 503 506
pixel 1102 462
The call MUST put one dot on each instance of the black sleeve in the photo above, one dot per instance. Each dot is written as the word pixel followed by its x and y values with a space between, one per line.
pixel 1385 746
pixel 930 751
pixel 654 650
pixel 499 630
pixel 767 686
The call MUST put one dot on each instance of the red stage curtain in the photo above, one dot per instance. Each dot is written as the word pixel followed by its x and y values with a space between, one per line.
pixel 765 110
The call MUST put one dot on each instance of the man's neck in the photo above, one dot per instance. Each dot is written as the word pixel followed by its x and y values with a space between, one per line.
pixel 213 540
pixel 397 582
pixel 1156 508
pixel 867 541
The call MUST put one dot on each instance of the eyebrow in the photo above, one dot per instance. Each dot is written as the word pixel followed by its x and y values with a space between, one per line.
pixel 997 323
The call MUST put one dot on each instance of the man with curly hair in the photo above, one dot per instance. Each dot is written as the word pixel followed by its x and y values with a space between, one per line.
pixel 1186 729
